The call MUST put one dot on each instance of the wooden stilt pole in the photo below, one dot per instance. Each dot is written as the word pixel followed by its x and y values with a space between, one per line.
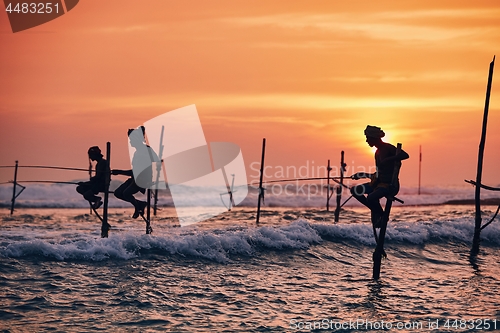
pixel 379 250
pixel 90 176
pixel 13 201
pixel 340 188
pixel 478 219
pixel 105 224
pixel 328 169
pixel 419 167
pixel 158 170
pixel 155 202
pixel 261 189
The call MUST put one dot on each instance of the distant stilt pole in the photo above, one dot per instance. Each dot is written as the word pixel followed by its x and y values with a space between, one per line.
pixel 13 201
pixel 478 219
pixel 261 189
pixel 105 224
pixel 419 168
pixel 340 188
pixel 328 169
pixel 90 176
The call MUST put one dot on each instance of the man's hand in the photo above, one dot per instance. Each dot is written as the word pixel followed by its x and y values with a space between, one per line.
pixel 360 175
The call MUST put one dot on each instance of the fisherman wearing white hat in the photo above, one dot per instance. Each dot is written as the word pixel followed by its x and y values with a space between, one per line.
pixel 380 184
pixel 141 173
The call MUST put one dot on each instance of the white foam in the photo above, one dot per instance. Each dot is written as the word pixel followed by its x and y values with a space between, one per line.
pixel 437 231
pixel 90 249
pixel 215 245
pixel 220 244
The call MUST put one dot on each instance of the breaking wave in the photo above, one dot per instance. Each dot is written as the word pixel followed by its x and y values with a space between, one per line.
pixel 222 245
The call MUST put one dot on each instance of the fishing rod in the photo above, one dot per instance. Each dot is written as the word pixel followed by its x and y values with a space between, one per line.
pixel 40 181
pixel 298 179
pixel 44 167
pixel 359 174
pixel 393 198
pixel 301 179
pixel 335 179
pixel 483 186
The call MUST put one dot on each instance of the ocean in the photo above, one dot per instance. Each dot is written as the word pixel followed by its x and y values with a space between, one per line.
pixel 297 271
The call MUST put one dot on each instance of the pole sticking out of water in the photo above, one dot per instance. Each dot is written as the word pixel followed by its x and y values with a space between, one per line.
pixel 328 169
pixel 148 212
pixel 419 168
pixel 478 219
pixel 261 189
pixel 13 201
pixel 158 170
pixel 379 250
pixel 105 225
pixel 340 188
pixel 90 176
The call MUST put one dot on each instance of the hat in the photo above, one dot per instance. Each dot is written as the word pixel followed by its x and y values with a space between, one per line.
pixel 374 132
pixel 143 129
pixel 94 151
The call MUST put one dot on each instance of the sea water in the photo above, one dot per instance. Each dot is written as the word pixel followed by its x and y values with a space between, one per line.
pixel 297 271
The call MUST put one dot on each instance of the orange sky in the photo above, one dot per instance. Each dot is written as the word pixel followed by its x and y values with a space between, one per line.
pixel 307 75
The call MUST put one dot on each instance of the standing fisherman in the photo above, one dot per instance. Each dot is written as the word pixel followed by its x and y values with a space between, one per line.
pixel 97 183
pixel 381 181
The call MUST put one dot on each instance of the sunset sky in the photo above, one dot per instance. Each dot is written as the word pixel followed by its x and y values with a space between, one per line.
pixel 306 75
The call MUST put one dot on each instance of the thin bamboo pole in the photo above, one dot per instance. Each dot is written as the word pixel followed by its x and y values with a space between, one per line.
pixel 148 212
pixel 379 250
pixel 261 189
pixel 13 202
pixel 419 167
pixel 328 169
pixel 478 219
pixel 340 188
pixel 105 224
pixel 158 170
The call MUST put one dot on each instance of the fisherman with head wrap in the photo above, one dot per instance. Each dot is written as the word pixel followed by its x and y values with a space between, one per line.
pixel 97 183
pixel 369 194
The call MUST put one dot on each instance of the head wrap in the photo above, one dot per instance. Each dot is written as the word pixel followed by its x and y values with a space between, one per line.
pixel 374 132
pixel 94 151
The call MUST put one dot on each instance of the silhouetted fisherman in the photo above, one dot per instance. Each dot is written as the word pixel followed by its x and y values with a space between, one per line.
pixel 97 183
pixel 141 175
pixel 380 184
